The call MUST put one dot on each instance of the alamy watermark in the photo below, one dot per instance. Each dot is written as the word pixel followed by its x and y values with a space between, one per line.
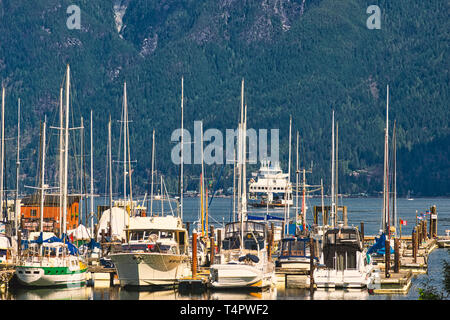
pixel 374 20
pixel 74 20
pixel 216 149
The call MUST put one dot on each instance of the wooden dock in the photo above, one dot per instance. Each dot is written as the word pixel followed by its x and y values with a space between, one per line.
pixel 197 283
pixel 6 276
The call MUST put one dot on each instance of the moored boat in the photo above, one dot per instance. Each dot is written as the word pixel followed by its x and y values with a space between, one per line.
pixel 156 253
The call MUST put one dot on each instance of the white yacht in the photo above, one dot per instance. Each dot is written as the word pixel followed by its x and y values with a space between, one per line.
pixel 343 261
pixel 270 187
pixel 246 265
pixel 156 253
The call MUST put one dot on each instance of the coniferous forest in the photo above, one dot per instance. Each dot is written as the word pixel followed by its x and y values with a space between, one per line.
pixel 299 58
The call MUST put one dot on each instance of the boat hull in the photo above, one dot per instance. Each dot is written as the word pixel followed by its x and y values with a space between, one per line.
pixel 240 276
pixel 327 278
pixel 150 269
pixel 50 276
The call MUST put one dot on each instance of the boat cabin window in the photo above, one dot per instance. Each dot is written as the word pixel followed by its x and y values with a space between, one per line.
pixel 137 235
pixel 2 252
pixel 166 235
pixel 293 248
pixel 346 260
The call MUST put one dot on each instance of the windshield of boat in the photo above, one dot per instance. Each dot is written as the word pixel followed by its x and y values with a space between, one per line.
pixel 253 233
pixel 150 235
pixel 296 248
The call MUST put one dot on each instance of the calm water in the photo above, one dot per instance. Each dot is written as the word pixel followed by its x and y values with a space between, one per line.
pixel 359 209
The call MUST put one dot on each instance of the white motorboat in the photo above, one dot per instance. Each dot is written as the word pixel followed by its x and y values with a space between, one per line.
pixel 343 262
pixel 245 266
pixel 156 253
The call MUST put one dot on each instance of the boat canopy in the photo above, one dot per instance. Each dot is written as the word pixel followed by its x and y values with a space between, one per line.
pixel 72 249
pixel 379 247
pixel 267 217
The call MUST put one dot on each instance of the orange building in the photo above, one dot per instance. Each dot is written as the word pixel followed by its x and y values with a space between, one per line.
pixel 30 209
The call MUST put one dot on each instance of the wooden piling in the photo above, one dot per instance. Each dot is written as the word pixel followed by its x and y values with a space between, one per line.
pixel 194 254
pixel 345 216
pixel 219 240
pixel 425 235
pixel 397 255
pixel 212 246
pixel 387 257
pixel 433 222
pixel 362 233
pixel 19 243
pixel 311 266
pixel 414 244
pixel 272 232
pixel 269 246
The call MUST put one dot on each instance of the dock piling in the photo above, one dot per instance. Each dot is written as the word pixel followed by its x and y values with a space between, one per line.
pixel 387 257
pixel 212 246
pixel 194 254
pixel 397 255
pixel 311 265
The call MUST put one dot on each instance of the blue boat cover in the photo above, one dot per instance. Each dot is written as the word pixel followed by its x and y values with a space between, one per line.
pixel 72 249
pixel 379 246
pixel 268 217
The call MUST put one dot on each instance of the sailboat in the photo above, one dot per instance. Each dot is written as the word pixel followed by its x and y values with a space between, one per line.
pixel 51 261
pixel 343 262
pixel 244 261
pixel 156 249
pixel 294 249
pixel 408 196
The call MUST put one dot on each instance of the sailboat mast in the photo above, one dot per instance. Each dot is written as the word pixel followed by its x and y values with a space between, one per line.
pixel 202 186
pixel 110 179
pixel 92 180
pixel 332 173
pixel 386 170
pixel 321 192
pixel 234 184
pixel 81 168
pixel 394 180
pixel 296 182
pixel 182 148
pixel 66 152
pixel 42 187
pixel 61 160
pixel 336 187
pixel 129 168
pixel 2 153
pixel 153 173
pixel 16 200
pixel 286 193
pixel 124 143
pixel 244 170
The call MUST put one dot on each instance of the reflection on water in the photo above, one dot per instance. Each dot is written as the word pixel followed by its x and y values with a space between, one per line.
pixel 75 293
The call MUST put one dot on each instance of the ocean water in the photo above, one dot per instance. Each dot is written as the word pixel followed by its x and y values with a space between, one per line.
pixel 367 210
